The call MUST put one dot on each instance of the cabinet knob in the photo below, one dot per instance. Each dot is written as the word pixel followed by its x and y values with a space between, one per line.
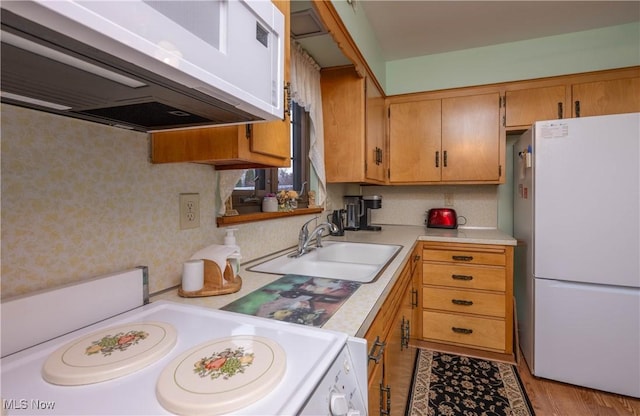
pixel 338 405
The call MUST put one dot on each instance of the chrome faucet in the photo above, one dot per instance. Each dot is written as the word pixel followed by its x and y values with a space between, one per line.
pixel 304 238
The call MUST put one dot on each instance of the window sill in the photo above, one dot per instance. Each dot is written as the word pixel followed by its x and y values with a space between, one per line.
pixel 263 216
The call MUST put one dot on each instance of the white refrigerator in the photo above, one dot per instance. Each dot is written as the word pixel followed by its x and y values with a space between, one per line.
pixel 577 263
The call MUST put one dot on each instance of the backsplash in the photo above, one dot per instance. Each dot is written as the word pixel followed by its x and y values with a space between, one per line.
pixel 407 205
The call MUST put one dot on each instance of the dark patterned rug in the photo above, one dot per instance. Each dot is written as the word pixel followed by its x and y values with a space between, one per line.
pixel 452 385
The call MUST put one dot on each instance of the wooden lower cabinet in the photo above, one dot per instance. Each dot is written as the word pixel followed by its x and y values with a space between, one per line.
pixel 391 356
pixel 467 295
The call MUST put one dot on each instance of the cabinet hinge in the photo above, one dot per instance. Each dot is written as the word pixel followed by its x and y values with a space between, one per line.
pixel 504 121
pixel 499 170
pixel 388 173
pixel 503 101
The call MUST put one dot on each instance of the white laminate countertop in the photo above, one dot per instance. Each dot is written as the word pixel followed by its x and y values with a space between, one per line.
pixel 357 313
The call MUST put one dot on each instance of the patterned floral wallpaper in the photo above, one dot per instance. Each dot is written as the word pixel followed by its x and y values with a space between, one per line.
pixel 81 199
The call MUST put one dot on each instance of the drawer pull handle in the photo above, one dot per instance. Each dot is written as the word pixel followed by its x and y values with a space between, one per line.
pixel 461 277
pixel 461 330
pixel 461 302
pixel 381 346
pixel 414 298
pixel 462 258
pixel 385 391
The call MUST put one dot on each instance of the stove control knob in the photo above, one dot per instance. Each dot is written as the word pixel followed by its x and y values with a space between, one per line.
pixel 338 404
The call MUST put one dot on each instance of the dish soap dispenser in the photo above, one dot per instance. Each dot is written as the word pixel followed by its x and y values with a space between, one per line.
pixel 234 258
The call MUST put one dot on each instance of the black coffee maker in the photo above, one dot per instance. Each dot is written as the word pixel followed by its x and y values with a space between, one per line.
pixel 370 202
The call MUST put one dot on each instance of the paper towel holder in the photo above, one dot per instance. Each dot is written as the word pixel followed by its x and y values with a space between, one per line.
pixel 214 281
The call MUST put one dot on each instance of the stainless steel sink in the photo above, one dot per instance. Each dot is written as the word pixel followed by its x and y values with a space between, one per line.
pixel 358 262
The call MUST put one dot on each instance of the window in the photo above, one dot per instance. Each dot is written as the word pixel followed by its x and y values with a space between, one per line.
pixel 255 183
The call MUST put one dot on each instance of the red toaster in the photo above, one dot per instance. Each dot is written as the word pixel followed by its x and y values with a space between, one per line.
pixel 442 218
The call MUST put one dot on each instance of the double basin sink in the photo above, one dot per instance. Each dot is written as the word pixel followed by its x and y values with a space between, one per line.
pixel 357 262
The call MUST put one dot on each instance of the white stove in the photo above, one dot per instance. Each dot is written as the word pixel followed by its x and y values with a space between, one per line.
pixel 315 371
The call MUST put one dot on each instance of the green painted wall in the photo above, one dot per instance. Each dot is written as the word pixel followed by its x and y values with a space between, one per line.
pixel 592 50
pixel 360 30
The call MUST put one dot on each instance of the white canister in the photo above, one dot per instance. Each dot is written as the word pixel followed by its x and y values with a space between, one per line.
pixel 269 204
pixel 193 275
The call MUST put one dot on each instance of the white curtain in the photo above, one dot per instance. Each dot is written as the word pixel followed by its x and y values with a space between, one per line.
pixel 226 182
pixel 305 90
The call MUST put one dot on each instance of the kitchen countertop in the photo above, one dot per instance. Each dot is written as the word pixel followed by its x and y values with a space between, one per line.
pixel 357 313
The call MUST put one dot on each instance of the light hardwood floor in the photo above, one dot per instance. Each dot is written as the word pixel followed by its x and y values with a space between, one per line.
pixel 552 398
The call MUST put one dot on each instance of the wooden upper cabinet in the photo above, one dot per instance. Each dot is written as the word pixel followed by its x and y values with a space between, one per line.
pixel 353 113
pixel 524 107
pixel 471 142
pixel 242 146
pixel 613 96
pixel 415 141
pixel 375 150
pixel 452 140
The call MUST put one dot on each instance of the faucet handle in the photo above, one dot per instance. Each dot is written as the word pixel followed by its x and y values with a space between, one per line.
pixel 305 226
pixel 304 231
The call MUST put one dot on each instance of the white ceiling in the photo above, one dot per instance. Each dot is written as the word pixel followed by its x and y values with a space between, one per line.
pixel 407 29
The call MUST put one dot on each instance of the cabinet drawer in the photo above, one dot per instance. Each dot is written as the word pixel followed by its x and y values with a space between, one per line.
pixel 464 276
pixel 461 329
pixel 465 301
pixel 465 257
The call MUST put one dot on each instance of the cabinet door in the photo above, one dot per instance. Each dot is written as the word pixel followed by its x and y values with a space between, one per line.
pixel 400 356
pixel 375 157
pixel 343 111
pixel 606 97
pixel 471 138
pixel 272 138
pixel 414 141
pixel 523 107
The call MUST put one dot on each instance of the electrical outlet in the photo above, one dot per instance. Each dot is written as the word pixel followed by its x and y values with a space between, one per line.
pixel 448 200
pixel 189 211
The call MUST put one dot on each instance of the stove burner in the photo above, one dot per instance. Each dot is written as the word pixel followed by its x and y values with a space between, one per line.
pixel 109 353
pixel 221 376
